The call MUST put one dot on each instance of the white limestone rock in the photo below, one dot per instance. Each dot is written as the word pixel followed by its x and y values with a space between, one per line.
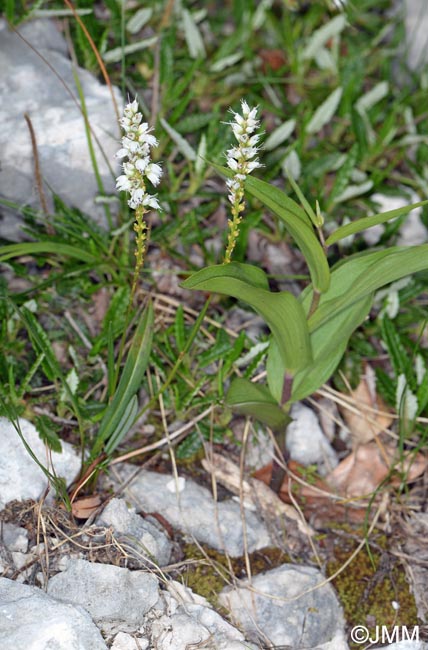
pixel 306 441
pixel 195 512
pixel 137 533
pixel 274 609
pixel 112 595
pixel 20 476
pixel 59 126
pixel 31 619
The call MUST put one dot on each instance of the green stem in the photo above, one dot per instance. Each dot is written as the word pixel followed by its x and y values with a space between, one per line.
pixel 278 470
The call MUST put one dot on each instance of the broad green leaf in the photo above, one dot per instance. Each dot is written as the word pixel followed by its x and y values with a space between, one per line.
pixel 247 273
pixel 363 274
pixel 369 222
pixel 33 248
pixel 328 346
pixel 299 226
pixel 282 311
pixel 118 410
pixel 324 112
pixel 247 398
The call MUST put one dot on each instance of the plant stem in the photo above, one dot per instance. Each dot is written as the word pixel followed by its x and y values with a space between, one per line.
pixel 278 469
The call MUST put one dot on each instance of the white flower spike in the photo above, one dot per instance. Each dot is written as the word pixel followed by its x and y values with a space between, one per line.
pixel 136 145
pixel 137 168
pixel 239 160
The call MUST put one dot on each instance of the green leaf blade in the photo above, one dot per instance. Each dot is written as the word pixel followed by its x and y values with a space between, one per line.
pixel 282 312
pixel 251 399
pixel 299 226
pixel 369 222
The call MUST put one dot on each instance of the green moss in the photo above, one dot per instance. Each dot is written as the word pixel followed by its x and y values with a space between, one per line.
pixel 366 591
pixel 211 572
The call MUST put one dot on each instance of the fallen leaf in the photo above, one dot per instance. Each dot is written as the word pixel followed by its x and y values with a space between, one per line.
pixel 368 415
pixel 362 472
pixel 317 501
pixel 84 507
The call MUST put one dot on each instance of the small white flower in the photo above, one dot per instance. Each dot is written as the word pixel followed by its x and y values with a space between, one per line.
pixel 152 202
pixel 123 183
pixel 153 173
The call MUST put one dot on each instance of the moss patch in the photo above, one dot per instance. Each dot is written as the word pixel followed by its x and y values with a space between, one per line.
pixel 368 586
pixel 210 573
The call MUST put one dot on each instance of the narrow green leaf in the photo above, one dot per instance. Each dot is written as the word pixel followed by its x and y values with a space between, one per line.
pixel 324 112
pixel 138 20
pixel 183 146
pixel 193 36
pixel 422 393
pixel 372 97
pixel 400 359
pixel 130 381
pixel 126 422
pixel 302 198
pixel 180 335
pixel 110 361
pixel 47 433
pixel 247 398
pixel 42 344
pixel 320 37
pixel 279 135
pixel 33 248
pixel 369 222
pixel 282 311
pixel 344 171
pixel 116 54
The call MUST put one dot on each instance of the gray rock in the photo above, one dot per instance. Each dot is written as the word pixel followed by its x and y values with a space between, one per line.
pixel 65 163
pixel 189 621
pixel 110 594
pixel 312 620
pixel 20 476
pixel 416 22
pixel 124 641
pixel 32 619
pixel 136 533
pixel 306 441
pixel 14 537
pixel 404 645
pixel 194 511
